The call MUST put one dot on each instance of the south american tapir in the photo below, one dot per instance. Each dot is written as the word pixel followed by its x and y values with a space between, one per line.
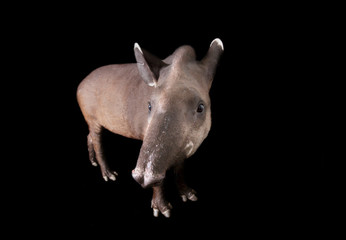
pixel 165 103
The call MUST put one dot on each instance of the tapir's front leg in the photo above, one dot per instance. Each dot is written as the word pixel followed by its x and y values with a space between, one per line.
pixel 159 203
pixel 185 191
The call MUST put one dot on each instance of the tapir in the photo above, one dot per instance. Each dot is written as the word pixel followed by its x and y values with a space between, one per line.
pixel 165 103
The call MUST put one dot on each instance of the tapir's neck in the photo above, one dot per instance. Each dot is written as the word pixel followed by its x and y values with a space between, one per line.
pixel 135 110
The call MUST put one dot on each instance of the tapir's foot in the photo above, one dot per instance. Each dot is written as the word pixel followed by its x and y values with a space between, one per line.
pixel 161 207
pixel 108 174
pixel 187 193
pixel 159 203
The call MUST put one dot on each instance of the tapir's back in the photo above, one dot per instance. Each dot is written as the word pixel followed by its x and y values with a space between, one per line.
pixel 110 97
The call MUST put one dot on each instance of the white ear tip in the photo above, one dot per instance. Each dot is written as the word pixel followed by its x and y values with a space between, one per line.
pixel 218 42
pixel 138 47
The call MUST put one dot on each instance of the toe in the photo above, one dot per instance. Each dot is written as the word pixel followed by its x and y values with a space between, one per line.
pixel 112 177
pixel 190 195
pixel 167 213
pixel 156 212
pixel 165 209
pixel 109 175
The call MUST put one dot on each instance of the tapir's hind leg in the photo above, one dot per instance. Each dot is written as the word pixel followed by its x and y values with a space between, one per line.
pixel 95 150
pixel 91 151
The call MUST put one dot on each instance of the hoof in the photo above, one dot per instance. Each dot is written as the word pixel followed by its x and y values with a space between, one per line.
pixel 109 175
pixel 191 195
pixel 164 210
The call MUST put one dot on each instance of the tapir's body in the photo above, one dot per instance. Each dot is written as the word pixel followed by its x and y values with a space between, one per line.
pixel 116 99
pixel 164 103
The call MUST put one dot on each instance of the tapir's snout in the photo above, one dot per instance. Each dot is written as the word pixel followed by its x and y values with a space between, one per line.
pixel 146 178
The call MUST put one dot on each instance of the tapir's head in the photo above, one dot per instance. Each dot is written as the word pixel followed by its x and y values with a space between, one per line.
pixel 178 117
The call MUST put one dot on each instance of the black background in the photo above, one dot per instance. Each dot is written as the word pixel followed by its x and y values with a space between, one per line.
pixel 260 170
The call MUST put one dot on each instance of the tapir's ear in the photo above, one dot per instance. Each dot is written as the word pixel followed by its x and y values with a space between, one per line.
pixel 149 66
pixel 212 57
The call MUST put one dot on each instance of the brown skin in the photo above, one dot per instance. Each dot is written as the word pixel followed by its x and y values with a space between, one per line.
pixel 164 103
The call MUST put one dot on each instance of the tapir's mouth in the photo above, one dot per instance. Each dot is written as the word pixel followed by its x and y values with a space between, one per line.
pixel 147 178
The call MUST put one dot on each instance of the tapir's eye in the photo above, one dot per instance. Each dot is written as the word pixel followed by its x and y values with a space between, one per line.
pixel 149 106
pixel 200 108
